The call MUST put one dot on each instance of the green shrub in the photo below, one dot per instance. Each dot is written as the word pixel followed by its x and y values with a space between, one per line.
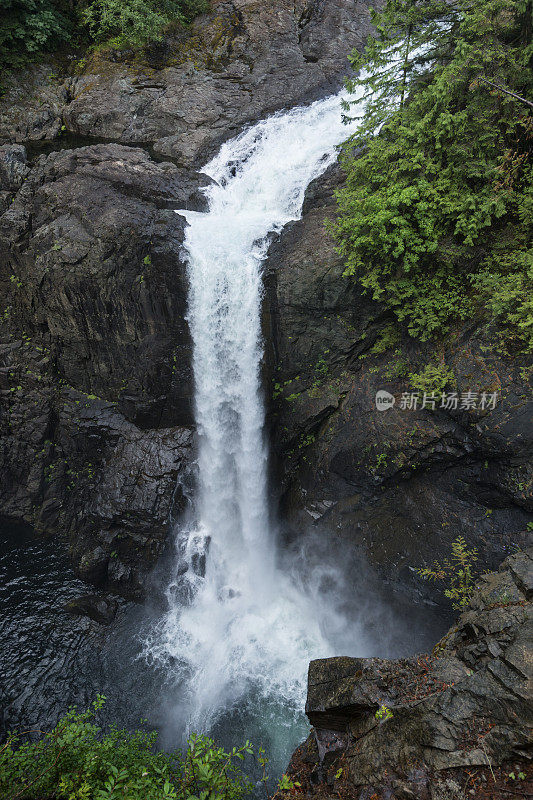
pixel 123 22
pixel 387 339
pixel 134 23
pixel 28 27
pixel 506 284
pixel 191 8
pixel 457 573
pixel 31 27
pixel 433 379
pixel 77 761
pixel 435 219
pixel 383 714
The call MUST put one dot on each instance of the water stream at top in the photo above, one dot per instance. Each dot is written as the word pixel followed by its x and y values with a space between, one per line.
pixel 237 623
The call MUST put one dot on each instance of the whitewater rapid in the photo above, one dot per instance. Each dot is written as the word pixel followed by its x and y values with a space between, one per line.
pixel 238 625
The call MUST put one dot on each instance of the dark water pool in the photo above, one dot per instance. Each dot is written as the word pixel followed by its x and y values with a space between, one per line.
pixel 47 656
pixel 50 659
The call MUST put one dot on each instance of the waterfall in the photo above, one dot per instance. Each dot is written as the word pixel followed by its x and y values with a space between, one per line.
pixel 237 623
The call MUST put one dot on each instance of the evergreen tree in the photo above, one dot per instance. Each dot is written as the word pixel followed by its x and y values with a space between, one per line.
pixel 435 218
pixel 411 37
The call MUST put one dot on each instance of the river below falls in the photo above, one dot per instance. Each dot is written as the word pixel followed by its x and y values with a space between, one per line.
pixel 50 659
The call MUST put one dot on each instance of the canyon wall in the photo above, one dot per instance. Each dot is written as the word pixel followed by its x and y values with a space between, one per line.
pixel 96 426
pixel 401 483
pixel 95 360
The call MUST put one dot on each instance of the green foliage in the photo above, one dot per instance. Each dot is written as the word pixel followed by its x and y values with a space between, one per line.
pixel 321 370
pixel 435 219
pixel 28 27
pixel 306 440
pixel 286 784
pixel 457 572
pixel 119 23
pixel 191 8
pixel 387 339
pixel 411 35
pixel 320 373
pixel 521 776
pixel 383 714
pixel 508 292
pixel 76 761
pixel 433 379
pixel 122 22
pixel 16 281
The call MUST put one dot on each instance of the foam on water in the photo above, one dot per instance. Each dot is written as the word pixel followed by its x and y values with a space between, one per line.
pixel 237 623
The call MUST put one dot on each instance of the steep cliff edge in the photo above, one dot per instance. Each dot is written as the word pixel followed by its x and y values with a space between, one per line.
pixel 454 723
pixel 400 484
pixel 95 375
pixel 95 363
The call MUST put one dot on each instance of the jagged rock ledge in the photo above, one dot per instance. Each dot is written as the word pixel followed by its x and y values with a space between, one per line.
pixel 457 721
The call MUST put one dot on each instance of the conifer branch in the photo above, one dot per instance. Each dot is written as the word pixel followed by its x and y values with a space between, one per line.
pixel 506 91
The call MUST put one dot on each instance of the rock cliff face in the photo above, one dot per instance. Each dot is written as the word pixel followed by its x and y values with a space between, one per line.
pixel 455 723
pixel 400 484
pixel 242 61
pixel 95 356
pixel 95 374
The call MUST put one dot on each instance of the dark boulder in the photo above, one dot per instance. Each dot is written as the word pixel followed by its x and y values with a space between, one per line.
pixel 99 608
pixel 413 727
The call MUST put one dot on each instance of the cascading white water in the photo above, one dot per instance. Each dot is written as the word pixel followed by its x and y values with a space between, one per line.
pixel 237 623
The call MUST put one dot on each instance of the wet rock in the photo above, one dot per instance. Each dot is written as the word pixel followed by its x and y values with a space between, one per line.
pixel 401 484
pixel 13 167
pixel 94 247
pixel 13 171
pixel 32 104
pixel 522 572
pixel 99 608
pixel 95 381
pixel 92 566
pixel 456 708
